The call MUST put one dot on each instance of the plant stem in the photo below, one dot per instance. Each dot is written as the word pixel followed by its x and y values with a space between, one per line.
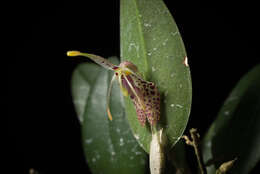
pixel 157 151
pixel 195 139
pixel 195 143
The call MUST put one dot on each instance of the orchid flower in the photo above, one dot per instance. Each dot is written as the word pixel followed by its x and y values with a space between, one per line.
pixel 144 95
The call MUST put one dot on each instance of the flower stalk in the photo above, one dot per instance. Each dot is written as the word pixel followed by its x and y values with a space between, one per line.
pixel 157 157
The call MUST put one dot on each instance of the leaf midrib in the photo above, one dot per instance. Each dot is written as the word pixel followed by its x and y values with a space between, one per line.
pixel 140 28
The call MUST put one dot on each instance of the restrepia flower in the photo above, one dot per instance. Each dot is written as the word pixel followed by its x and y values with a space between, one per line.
pixel 144 94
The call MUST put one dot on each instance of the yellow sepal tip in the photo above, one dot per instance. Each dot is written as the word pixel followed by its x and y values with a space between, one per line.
pixel 73 53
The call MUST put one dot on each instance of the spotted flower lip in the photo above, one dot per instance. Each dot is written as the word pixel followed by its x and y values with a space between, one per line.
pixel 144 95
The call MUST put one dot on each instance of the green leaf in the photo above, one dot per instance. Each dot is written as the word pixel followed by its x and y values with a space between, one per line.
pixel 109 146
pixel 150 39
pixel 236 131
pixel 81 84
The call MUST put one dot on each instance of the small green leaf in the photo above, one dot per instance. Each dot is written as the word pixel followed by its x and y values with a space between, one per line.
pixel 151 40
pixel 109 146
pixel 236 131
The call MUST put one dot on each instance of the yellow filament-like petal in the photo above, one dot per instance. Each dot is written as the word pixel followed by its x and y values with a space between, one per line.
pixel 73 53
pixel 133 90
pixel 124 91
pixel 108 97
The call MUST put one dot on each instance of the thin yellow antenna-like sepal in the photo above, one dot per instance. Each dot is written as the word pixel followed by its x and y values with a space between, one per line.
pixel 98 59
pixel 73 53
pixel 123 90
pixel 108 97
pixel 141 103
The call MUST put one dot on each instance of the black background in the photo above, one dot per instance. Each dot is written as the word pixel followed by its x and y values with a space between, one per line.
pixel 221 41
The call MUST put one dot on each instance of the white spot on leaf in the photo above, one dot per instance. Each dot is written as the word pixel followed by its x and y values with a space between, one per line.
pixel 118 130
pixel 133 45
pixel 147 25
pixel 175 33
pixel 121 142
pixel 153 69
pixel 136 136
pixel 179 106
pixel 138 153
pixel 226 112
pixel 166 93
pixel 164 43
pixel 89 141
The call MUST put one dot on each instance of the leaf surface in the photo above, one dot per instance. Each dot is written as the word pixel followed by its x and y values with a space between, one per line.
pixel 236 131
pixel 109 146
pixel 150 39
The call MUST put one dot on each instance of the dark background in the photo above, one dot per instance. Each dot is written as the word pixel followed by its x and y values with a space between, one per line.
pixel 221 41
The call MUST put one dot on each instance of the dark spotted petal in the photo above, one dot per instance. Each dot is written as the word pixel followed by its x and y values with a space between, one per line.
pixel 153 100
pixel 141 116
pixel 149 95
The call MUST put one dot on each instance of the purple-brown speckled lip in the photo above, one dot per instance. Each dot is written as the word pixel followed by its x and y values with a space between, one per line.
pixel 148 93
